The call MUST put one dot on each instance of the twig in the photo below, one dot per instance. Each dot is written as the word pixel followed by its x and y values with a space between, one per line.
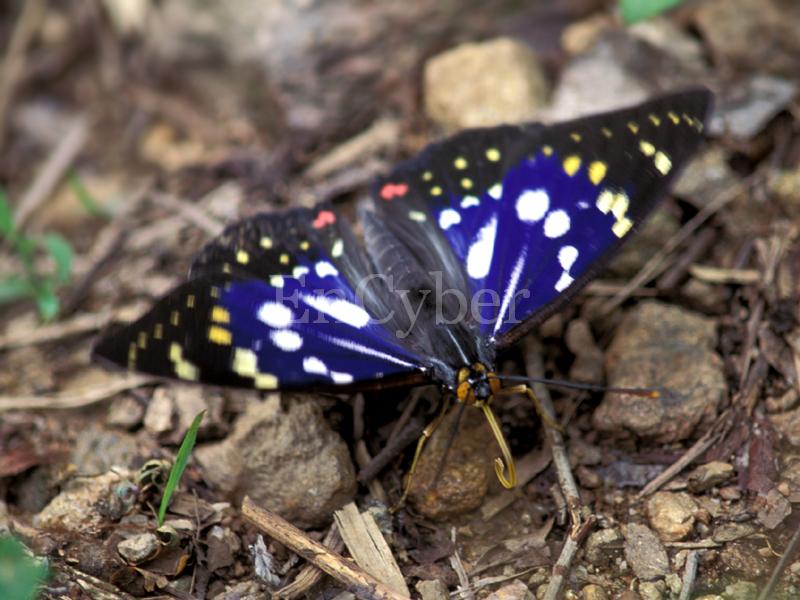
pixel 718 275
pixel 658 262
pixel 464 589
pixel 689 575
pixel 75 399
pixel 13 65
pixel 580 528
pixel 309 575
pixel 528 467
pixel 697 248
pixel 786 558
pixel 192 213
pixel 369 548
pixel 83 323
pixel 393 447
pixel 54 168
pixel 362 584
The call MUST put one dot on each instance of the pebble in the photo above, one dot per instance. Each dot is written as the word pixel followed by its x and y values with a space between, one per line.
pixel 515 590
pixel 650 590
pixel 244 590
pixel 484 84
pixel 727 532
pixel 97 450
pixel 671 514
pixel 709 475
pixel 287 459
pixel 139 548
pixel 432 589
pixel 741 590
pixel 223 545
pixel 160 411
pixel 663 346
pixel 775 509
pixel 788 425
pixel 593 592
pixel 588 364
pixel 125 413
pixel 464 481
pixel 597 545
pixel 730 493
pixel 645 553
pixel 740 557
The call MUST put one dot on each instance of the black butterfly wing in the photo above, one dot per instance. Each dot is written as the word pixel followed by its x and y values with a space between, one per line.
pixel 522 217
pixel 272 303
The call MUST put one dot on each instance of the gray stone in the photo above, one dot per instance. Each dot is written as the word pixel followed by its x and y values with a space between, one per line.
pixel 432 589
pixel 671 514
pixel 138 548
pixel 645 553
pixel 651 590
pixel 598 543
pixel 286 459
pixel 741 590
pixel 515 590
pixel 709 475
pixel 484 84
pixel 662 346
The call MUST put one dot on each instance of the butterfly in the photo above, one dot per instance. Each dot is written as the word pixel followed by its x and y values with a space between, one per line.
pixel 467 247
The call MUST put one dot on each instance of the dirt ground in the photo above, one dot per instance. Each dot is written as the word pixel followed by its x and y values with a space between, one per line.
pixel 131 132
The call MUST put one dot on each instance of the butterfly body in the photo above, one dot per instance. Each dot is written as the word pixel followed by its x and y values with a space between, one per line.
pixel 468 247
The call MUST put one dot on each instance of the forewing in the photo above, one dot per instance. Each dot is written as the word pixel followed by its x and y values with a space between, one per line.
pixel 527 215
pixel 272 304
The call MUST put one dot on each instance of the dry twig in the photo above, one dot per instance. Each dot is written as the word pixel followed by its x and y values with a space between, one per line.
pixel 74 399
pixel 362 584
pixel 309 575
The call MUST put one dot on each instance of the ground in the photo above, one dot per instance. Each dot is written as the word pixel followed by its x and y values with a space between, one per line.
pixel 132 132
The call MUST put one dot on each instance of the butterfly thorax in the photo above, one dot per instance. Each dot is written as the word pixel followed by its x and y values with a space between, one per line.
pixel 476 384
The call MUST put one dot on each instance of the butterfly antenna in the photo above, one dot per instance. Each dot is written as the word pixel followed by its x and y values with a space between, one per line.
pixel 643 392
pixel 507 462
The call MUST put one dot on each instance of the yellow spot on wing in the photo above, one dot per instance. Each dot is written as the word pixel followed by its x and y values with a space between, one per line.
pixel 604 201
pixel 417 216
pixel 304 245
pixel 647 148
pixel 633 127
pixel 337 248
pixel 496 191
pixel 663 162
pixel 174 318
pixel 220 315
pixel 655 120
pixel 606 132
pixel 245 362
pixel 190 301
pixel 597 171
pixel 266 381
pixel 571 165
pixel 276 281
pixel 621 227
pixel 460 163
pixel 547 150
pixel 673 117
pixel 214 291
pixel 620 206
pixel 186 370
pixel 466 183
pixel 266 243
pixel 142 341
pixel 575 136
pixel 242 257
pixel 493 154
pixel 427 176
pixel 175 352
pixel 132 354
pixel 158 331
pixel 219 335
pixel 284 259
pixel 436 191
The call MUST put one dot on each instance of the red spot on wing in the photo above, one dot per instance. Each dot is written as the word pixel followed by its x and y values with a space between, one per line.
pixel 324 217
pixel 394 190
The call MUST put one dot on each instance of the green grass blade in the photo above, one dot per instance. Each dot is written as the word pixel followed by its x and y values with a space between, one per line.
pixel 20 575
pixel 179 465
pixel 85 197
pixel 14 288
pixel 6 218
pixel 634 11
pixel 60 251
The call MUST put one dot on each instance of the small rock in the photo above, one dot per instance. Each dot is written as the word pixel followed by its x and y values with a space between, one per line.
pixel 77 508
pixel 711 474
pixel 775 509
pixel 463 482
pixel 727 532
pixel 662 346
pixel 432 589
pixel 484 84
pixel 752 105
pixel 515 590
pixel 125 413
pixel 588 478
pixel 588 364
pixel 730 493
pixel 97 450
pixel 649 590
pixel 597 546
pixel 223 545
pixel 594 592
pixel 788 425
pixel 785 188
pixel 741 590
pixel 286 459
pixel 139 548
pixel 644 552
pixel 160 410
pixel 578 37
pixel 674 583
pixel 741 557
pixel 670 38
pixel 671 514
pixel 245 590
pixel 707 172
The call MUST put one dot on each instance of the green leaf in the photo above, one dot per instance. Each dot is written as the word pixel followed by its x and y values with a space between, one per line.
pixel 60 251
pixel 179 465
pixel 48 304
pixel 634 11
pixel 85 197
pixel 20 575
pixel 14 288
pixel 6 218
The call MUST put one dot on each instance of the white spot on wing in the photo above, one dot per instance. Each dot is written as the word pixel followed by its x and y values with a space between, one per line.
pixel 339 309
pixel 496 191
pixel 275 315
pixel 341 378
pixel 532 205
pixel 286 339
pixel 511 288
pixel 470 201
pixel 479 256
pixel 323 268
pixel 567 255
pixel 556 224
pixel 449 217
pixel 564 282
pixel 367 351
pixel 312 364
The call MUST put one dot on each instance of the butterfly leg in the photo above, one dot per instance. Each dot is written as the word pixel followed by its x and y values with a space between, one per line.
pixel 546 418
pixel 507 462
pixel 426 434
